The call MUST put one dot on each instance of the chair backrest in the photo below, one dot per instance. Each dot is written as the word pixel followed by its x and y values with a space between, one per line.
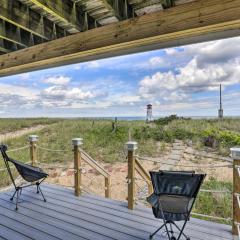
pixel 6 159
pixel 176 183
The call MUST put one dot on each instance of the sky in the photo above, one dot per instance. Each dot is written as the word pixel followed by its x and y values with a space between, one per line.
pixel 183 81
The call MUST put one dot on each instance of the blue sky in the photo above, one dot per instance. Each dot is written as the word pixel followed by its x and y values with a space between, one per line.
pixel 183 81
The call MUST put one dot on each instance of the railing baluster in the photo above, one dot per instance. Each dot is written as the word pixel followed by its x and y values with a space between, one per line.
pixel 131 147
pixel 33 148
pixel 107 187
pixel 235 153
pixel 77 165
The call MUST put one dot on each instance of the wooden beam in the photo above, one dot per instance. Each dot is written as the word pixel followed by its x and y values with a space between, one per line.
pixel 119 8
pixel 11 34
pixel 193 22
pixel 4 50
pixel 145 175
pixel 21 17
pixel 57 11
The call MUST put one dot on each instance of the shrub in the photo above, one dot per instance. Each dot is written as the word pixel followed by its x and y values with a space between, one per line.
pixel 167 120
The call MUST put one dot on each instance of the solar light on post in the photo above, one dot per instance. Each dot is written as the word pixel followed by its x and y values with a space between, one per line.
pixel 77 142
pixel 235 154
pixel 131 148
pixel 33 148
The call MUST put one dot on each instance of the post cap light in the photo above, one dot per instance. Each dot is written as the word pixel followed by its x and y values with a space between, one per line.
pixel 33 138
pixel 131 146
pixel 235 153
pixel 77 141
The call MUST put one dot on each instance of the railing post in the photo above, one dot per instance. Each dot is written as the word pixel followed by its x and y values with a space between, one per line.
pixel 77 165
pixel 33 148
pixel 107 187
pixel 235 154
pixel 131 147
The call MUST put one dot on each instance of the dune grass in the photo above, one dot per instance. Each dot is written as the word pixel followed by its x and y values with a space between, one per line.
pixel 13 124
pixel 105 144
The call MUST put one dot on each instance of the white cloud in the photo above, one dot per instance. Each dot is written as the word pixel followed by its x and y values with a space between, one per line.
pixel 24 76
pixel 189 79
pixel 88 65
pixel 61 93
pixel 57 80
pixel 171 51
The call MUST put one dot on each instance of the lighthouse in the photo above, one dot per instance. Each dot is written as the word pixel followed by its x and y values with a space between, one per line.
pixel 149 113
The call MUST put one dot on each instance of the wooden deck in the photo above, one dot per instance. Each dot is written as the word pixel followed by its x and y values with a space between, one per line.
pixel 67 217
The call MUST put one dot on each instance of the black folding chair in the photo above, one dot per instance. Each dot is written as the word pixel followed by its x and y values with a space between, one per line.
pixel 173 198
pixel 33 175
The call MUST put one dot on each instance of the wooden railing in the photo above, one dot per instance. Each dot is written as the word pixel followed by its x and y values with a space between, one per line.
pixel 236 191
pixel 79 155
pixel 134 166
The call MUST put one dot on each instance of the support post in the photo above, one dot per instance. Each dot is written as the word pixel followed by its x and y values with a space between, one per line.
pixel 131 147
pixel 77 165
pixel 235 154
pixel 33 148
pixel 107 187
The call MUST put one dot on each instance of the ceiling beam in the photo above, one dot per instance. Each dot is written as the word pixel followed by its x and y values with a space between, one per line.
pixel 22 17
pixel 119 8
pixel 197 21
pixel 11 34
pixel 64 13
pixel 3 48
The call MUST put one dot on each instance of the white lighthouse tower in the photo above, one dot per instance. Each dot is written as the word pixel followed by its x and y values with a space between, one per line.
pixel 149 113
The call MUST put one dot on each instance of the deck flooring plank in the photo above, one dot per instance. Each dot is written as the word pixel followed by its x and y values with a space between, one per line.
pixel 88 217
pixel 120 231
pixel 24 229
pixel 6 209
pixel 149 226
pixel 216 229
pixel 60 224
pixel 87 208
pixel 9 234
pixel 75 222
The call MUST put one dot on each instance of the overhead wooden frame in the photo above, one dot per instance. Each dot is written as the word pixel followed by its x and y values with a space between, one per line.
pixel 192 22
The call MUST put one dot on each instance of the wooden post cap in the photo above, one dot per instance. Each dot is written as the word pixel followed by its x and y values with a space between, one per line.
pixel 77 141
pixel 131 146
pixel 33 138
pixel 235 153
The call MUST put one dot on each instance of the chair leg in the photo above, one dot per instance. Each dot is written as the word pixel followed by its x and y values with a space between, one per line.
pixel 39 189
pixel 37 184
pixel 17 200
pixel 164 220
pixel 181 230
pixel 13 195
pixel 171 229
pixel 151 236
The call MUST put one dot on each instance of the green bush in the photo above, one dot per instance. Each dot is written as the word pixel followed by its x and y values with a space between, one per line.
pixel 224 138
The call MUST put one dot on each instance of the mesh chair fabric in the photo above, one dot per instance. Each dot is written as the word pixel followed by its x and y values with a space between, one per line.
pixel 28 172
pixel 174 193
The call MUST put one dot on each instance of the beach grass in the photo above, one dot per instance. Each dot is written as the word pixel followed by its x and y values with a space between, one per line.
pixel 105 142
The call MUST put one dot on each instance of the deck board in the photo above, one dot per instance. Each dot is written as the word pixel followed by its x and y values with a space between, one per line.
pixel 89 217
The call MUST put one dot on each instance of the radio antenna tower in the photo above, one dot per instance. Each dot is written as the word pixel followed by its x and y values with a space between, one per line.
pixel 220 111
